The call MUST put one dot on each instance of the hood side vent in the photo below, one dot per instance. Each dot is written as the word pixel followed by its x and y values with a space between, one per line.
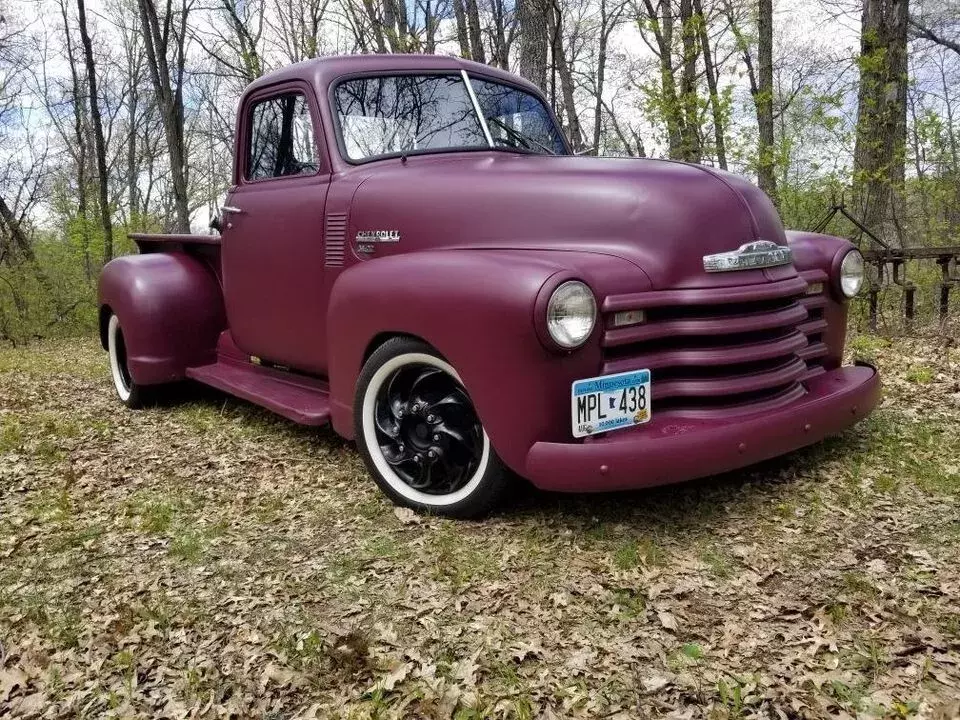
pixel 334 238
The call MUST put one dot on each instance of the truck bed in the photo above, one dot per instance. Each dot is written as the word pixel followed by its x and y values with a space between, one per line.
pixel 205 248
pixel 153 242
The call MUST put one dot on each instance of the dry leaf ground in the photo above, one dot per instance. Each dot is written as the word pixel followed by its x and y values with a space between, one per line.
pixel 206 559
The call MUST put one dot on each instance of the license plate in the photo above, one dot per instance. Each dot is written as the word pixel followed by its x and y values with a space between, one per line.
pixel 610 402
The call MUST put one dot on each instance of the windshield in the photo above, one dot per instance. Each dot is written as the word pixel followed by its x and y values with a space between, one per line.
pixel 404 114
pixel 517 118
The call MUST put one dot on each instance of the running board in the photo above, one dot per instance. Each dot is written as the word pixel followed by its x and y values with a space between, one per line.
pixel 299 398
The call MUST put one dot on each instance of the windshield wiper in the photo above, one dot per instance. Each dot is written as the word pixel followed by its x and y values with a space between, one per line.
pixel 528 142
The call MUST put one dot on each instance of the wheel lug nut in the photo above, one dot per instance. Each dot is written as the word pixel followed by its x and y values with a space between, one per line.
pixel 431 454
pixel 430 418
pixel 436 438
pixel 402 448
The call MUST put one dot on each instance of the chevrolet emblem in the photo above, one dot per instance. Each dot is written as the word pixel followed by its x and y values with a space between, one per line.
pixel 752 255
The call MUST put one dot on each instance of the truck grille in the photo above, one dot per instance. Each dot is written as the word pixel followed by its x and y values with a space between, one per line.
pixel 746 348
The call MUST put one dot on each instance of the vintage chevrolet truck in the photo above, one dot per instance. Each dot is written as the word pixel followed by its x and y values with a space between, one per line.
pixel 411 252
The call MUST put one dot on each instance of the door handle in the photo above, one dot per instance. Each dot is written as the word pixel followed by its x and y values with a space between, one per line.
pixel 231 209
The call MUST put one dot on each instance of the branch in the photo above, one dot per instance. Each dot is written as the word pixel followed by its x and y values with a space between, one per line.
pixel 918 30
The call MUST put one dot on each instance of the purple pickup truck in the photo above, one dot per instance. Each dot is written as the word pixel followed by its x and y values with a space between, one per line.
pixel 411 252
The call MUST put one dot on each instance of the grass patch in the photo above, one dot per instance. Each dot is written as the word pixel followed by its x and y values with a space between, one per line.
pixel 920 374
pixel 633 553
pixel 866 347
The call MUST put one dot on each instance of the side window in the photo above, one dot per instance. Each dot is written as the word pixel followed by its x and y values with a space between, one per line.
pixel 281 138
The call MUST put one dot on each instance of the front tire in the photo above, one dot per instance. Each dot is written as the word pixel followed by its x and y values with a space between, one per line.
pixel 420 436
pixel 130 393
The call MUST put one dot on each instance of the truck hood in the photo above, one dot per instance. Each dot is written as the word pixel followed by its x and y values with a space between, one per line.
pixel 662 216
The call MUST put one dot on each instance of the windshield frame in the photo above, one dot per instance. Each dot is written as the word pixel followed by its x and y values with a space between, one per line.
pixel 465 76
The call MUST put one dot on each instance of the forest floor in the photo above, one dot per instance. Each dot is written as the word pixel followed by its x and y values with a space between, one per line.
pixel 205 559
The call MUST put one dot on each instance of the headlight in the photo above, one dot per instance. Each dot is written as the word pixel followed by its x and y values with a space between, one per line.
pixel 851 273
pixel 571 313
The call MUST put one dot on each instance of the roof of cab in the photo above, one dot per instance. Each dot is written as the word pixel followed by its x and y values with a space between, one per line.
pixel 323 71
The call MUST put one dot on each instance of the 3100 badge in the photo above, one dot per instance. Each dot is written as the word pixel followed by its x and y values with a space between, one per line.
pixel 610 402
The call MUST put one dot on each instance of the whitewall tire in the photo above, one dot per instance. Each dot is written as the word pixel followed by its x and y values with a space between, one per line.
pixel 130 393
pixel 420 436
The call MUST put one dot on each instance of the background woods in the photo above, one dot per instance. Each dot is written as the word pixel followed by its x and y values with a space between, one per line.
pixel 117 115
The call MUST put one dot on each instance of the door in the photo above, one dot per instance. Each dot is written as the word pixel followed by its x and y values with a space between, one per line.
pixel 272 236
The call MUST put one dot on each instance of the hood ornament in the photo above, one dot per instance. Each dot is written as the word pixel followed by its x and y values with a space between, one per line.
pixel 752 255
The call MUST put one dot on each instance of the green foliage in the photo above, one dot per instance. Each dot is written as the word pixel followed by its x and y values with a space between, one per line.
pixel 54 295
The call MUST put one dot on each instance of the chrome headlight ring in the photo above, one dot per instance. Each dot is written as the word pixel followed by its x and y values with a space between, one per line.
pixel 571 314
pixel 851 274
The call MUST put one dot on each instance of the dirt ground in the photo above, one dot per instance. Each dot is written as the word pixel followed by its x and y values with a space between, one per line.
pixel 205 559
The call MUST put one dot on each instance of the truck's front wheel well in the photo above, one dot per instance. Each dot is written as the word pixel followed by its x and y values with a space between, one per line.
pixel 380 338
pixel 105 313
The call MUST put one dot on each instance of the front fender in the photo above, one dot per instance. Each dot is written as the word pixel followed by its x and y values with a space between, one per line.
pixel 814 251
pixel 477 308
pixel 171 312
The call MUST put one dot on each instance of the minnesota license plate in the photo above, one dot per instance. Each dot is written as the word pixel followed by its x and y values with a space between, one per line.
pixel 610 402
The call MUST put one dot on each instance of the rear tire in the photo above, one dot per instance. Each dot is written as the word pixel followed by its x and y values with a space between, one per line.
pixel 130 393
pixel 420 436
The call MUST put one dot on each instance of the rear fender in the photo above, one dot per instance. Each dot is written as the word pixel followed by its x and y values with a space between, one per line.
pixel 170 308
pixel 478 309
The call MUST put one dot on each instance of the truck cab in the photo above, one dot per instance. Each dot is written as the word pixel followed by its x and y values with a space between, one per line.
pixel 410 251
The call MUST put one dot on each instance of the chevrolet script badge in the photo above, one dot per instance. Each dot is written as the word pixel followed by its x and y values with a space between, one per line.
pixel 378 236
pixel 752 255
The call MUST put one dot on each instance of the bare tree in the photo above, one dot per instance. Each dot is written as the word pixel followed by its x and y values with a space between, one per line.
pixel 565 71
pixel 164 39
pixel 710 72
pixel 99 143
pixel 940 26
pixel 658 21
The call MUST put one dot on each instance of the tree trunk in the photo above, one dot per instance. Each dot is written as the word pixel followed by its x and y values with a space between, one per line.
pixel 878 161
pixel 690 129
pixel 99 144
pixel 534 40
pixel 169 94
pixel 476 39
pixel 501 51
pixel 20 247
pixel 763 99
pixel 81 141
pixel 431 24
pixel 575 132
pixel 716 109
pixel 463 34
pixel 661 22
pixel 132 169
pixel 601 72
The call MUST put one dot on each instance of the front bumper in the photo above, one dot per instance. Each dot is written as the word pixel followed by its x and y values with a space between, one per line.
pixel 674 449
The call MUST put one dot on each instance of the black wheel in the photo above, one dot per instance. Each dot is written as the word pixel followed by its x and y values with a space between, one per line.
pixel 130 393
pixel 420 436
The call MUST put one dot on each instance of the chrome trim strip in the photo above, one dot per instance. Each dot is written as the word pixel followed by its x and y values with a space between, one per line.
pixel 752 255
pixel 476 107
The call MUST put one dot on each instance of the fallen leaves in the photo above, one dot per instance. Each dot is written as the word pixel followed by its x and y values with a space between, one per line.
pixel 204 558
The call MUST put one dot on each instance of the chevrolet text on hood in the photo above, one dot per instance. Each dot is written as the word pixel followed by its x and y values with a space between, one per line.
pixel 410 252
